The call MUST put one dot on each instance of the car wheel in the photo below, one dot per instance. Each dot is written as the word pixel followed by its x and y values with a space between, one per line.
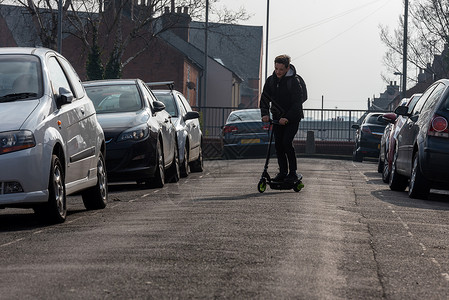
pixel 174 167
pixel 197 165
pixel 185 167
pixel 356 156
pixel 386 172
pixel 419 186
pixel 55 210
pixel 158 180
pixel 397 181
pixel 96 197
pixel 380 165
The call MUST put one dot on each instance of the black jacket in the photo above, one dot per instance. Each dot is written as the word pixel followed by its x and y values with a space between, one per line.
pixel 286 98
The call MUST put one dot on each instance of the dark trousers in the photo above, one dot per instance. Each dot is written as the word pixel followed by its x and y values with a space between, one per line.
pixel 285 152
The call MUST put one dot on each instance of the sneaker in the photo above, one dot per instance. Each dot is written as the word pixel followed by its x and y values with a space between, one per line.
pixel 280 177
pixel 291 177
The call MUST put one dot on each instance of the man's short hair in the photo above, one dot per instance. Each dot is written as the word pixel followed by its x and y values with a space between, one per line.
pixel 283 59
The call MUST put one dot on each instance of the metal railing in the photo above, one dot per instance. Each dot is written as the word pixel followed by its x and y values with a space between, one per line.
pixel 327 124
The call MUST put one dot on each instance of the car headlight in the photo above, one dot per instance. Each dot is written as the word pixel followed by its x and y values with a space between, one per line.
pixel 135 133
pixel 16 140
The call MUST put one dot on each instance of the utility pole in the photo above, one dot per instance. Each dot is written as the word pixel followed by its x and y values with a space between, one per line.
pixel 205 54
pixel 404 51
pixel 59 28
pixel 266 39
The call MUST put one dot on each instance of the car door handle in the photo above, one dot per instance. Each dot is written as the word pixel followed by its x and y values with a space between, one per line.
pixel 166 120
pixel 82 110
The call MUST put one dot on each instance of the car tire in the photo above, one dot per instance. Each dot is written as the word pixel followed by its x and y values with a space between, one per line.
pixel 197 165
pixel 386 172
pixel 419 186
pixel 158 180
pixel 185 166
pixel 96 197
pixel 397 181
pixel 174 167
pixel 380 165
pixel 55 210
pixel 356 156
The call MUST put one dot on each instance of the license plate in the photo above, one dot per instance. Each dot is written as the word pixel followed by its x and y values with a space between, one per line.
pixel 250 141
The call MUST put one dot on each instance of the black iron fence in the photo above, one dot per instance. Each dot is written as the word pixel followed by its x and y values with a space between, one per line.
pixel 326 124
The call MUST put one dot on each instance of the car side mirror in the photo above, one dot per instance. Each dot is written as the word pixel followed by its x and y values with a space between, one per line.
pixel 355 126
pixel 191 115
pixel 402 110
pixel 65 96
pixel 158 106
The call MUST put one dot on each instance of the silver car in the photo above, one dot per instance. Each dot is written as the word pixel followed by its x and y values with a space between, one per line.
pixel 187 125
pixel 51 144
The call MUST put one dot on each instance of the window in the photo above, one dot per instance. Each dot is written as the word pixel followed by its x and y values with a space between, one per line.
pixel 74 79
pixel 434 97
pixel 57 76
pixel 419 105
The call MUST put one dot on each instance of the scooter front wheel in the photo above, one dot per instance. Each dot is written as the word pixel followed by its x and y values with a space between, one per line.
pixel 298 186
pixel 262 186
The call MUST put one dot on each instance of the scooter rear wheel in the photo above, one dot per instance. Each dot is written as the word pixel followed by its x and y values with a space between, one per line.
pixel 262 186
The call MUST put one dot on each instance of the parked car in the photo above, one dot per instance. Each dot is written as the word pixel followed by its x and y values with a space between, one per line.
pixel 388 141
pixel 140 137
pixel 188 130
pixel 245 135
pixel 421 157
pixel 368 136
pixel 51 144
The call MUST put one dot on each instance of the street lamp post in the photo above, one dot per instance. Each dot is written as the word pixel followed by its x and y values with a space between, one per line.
pixel 266 42
pixel 404 53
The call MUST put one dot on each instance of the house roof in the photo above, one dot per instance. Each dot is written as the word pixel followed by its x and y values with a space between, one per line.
pixel 192 53
pixel 22 28
pixel 227 40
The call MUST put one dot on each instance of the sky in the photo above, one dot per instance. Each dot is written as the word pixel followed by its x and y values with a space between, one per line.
pixel 334 44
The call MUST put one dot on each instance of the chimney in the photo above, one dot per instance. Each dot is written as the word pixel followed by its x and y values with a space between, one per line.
pixel 178 22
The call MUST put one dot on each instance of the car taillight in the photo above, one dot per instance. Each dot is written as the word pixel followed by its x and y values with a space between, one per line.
pixel 267 127
pixel 366 129
pixel 230 129
pixel 438 127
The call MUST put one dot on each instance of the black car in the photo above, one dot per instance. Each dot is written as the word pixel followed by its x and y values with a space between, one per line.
pixel 141 141
pixel 188 129
pixel 245 135
pixel 368 136
pixel 421 157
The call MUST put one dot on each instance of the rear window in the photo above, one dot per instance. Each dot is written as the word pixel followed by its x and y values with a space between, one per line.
pixel 245 115
pixel 20 74
pixel 373 119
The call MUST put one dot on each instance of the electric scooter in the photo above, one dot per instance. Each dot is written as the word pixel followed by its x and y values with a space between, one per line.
pixel 265 179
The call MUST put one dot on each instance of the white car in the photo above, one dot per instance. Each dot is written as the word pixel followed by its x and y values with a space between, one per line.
pixel 51 144
pixel 188 131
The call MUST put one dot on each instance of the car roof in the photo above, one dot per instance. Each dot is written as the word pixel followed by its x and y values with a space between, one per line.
pixel 110 82
pixel 25 50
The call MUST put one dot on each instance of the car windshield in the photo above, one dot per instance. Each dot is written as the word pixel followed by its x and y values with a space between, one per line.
pixel 115 98
pixel 169 102
pixel 20 77
pixel 245 115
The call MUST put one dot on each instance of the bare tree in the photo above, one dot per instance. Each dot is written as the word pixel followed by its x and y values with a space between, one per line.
pixel 428 37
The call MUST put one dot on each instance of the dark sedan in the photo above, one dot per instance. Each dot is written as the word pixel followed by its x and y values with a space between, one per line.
pixel 245 135
pixel 368 136
pixel 140 137
pixel 421 159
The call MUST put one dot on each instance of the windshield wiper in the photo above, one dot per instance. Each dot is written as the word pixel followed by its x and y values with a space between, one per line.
pixel 16 96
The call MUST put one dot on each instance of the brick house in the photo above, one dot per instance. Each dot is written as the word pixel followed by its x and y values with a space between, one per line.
pixel 232 78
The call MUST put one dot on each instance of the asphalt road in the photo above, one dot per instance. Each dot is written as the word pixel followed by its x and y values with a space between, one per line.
pixel 213 235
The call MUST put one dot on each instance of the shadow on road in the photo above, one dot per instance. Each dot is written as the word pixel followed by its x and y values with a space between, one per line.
pixel 438 200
